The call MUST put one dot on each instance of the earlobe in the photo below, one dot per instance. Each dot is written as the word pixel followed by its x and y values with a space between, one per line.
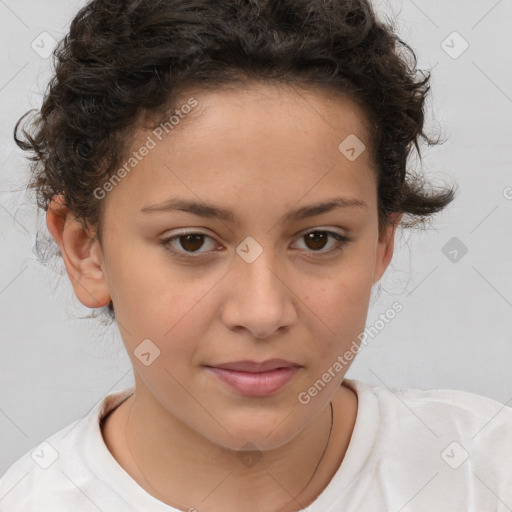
pixel 385 247
pixel 81 253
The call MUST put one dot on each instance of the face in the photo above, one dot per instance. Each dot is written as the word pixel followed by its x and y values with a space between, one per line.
pixel 257 282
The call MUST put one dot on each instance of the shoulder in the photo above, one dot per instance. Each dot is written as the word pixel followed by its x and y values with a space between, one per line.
pixel 444 406
pixel 38 472
pixel 435 425
pixel 466 412
pixel 453 445
pixel 55 474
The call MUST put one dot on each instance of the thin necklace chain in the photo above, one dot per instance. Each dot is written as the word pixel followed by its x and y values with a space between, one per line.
pixel 163 498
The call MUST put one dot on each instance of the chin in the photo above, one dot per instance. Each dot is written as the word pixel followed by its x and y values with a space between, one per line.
pixel 254 437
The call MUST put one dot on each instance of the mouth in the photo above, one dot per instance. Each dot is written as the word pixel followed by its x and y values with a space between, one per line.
pixel 250 378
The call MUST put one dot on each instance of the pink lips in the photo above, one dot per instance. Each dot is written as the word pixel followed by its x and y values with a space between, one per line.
pixel 250 378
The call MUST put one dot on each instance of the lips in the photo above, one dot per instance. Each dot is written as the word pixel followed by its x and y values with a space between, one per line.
pixel 255 367
pixel 253 379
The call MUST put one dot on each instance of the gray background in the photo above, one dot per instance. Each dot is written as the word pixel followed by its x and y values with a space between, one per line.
pixel 455 330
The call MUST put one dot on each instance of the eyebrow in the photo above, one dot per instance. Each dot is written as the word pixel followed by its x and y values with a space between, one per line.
pixel 212 211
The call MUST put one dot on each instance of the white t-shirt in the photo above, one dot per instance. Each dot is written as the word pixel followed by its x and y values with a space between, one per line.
pixel 411 450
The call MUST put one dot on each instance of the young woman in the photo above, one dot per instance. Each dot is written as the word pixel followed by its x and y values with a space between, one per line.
pixel 226 180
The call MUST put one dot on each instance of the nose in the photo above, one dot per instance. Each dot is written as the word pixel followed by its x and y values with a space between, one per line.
pixel 260 300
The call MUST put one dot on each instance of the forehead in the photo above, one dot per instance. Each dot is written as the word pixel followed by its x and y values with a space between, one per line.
pixel 266 108
pixel 255 142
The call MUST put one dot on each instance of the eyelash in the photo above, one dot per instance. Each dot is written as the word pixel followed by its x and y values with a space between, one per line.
pixel 166 242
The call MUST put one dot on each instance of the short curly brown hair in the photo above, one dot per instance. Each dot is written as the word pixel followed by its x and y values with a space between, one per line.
pixel 123 58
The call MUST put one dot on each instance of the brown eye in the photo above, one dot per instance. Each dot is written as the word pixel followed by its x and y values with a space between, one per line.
pixel 318 241
pixel 188 244
pixel 191 242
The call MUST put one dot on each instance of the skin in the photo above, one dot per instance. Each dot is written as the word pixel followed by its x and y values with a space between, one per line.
pixel 259 151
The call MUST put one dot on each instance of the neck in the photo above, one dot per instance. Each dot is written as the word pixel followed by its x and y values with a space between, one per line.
pixel 210 477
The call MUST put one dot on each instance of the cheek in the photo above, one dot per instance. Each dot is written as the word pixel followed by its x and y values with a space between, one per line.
pixel 156 299
pixel 340 303
pixel 343 306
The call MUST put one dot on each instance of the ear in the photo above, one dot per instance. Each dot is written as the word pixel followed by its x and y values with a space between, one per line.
pixel 385 247
pixel 81 253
